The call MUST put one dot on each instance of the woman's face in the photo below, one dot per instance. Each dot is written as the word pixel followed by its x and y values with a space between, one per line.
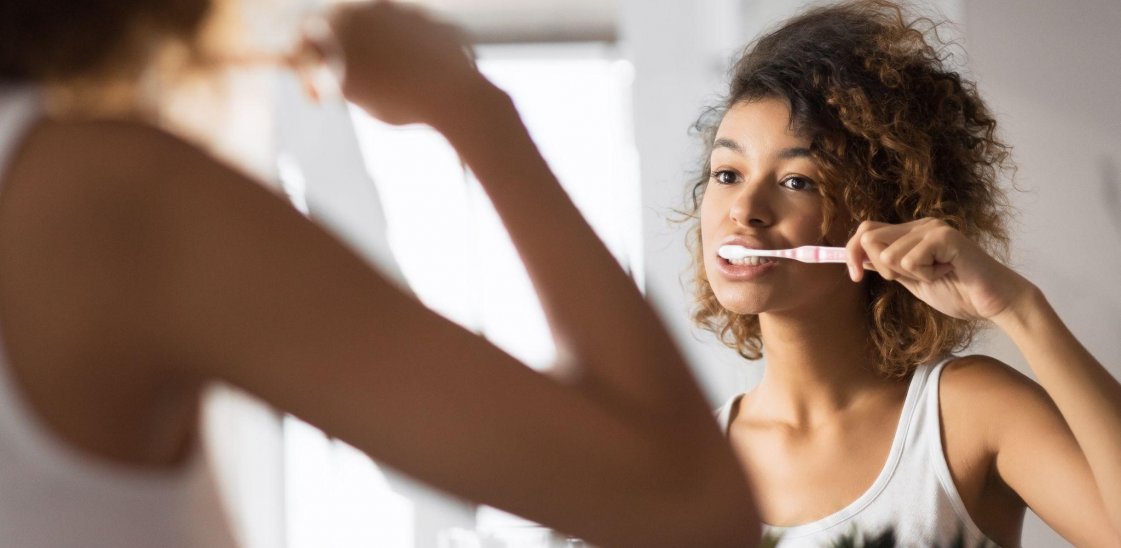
pixel 763 193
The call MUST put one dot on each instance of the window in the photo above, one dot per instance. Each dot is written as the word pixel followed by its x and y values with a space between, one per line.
pixel 452 248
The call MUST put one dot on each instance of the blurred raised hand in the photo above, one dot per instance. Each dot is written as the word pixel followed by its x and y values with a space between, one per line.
pixel 403 66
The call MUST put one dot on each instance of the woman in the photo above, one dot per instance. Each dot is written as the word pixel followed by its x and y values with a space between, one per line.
pixel 844 127
pixel 136 269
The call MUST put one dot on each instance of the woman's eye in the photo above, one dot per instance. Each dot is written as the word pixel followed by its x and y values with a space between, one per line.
pixel 724 177
pixel 799 183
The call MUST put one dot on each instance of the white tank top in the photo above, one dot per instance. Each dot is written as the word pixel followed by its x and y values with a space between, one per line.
pixel 55 495
pixel 914 493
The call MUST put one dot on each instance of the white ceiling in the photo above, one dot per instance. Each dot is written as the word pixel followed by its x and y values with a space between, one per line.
pixel 531 20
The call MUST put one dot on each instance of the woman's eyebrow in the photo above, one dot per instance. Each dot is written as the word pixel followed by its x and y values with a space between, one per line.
pixel 725 142
pixel 784 154
pixel 794 152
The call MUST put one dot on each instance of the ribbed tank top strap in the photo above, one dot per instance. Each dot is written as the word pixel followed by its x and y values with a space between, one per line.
pixel 931 441
pixel 20 107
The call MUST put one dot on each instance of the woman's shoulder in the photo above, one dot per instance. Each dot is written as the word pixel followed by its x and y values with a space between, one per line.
pixel 82 234
pixel 113 172
pixel 983 391
pixel 98 172
pixel 93 208
pixel 112 147
pixel 977 374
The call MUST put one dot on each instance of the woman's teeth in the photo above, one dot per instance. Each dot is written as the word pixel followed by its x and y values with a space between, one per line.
pixel 751 261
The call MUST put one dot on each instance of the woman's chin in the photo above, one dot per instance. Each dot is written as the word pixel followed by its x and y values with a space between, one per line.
pixel 741 306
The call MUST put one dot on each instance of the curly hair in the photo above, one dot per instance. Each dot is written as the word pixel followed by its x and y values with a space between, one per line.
pixel 898 136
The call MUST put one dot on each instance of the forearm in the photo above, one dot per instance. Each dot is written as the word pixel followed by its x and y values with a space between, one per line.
pixel 595 311
pixel 1088 397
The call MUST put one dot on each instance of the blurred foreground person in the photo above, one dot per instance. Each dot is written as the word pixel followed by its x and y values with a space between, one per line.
pixel 135 269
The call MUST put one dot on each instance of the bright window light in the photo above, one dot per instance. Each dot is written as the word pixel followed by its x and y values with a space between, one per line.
pixel 459 260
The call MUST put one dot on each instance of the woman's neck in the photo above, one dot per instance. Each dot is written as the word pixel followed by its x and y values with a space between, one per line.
pixel 818 363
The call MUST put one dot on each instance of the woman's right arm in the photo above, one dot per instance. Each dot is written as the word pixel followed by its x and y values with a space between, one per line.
pixel 594 310
pixel 252 293
pixel 622 452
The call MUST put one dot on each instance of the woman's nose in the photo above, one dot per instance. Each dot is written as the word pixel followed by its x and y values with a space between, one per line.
pixel 752 207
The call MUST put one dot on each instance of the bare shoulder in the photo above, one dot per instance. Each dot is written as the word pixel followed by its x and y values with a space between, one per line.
pixel 990 395
pixel 123 184
pixel 85 219
pixel 976 375
pixel 79 196
pixel 104 156
pixel 87 212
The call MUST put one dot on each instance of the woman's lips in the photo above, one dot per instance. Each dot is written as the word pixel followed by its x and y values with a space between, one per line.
pixel 745 272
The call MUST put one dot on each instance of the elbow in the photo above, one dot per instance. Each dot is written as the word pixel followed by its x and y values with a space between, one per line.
pixel 683 490
pixel 709 503
pixel 722 516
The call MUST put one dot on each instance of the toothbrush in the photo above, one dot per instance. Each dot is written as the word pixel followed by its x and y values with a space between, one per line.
pixel 806 253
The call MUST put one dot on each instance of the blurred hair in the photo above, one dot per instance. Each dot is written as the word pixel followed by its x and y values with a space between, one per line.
pixel 57 40
pixel 113 57
pixel 898 136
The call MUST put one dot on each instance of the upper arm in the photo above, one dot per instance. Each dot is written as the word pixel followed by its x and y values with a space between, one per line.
pixel 255 294
pixel 1034 452
pixel 249 291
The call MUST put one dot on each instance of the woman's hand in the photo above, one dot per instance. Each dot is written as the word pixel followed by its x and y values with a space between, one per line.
pixel 938 265
pixel 404 67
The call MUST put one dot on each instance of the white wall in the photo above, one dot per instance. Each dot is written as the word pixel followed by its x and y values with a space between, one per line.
pixel 680 52
pixel 1050 71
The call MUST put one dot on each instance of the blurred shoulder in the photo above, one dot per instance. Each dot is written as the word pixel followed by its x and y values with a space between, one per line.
pixel 113 171
pixel 104 150
pixel 124 188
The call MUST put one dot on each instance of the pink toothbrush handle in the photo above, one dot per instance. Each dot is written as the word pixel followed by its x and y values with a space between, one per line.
pixel 819 254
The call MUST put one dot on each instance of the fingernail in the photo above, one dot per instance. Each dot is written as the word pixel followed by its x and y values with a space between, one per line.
pixel 852 271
